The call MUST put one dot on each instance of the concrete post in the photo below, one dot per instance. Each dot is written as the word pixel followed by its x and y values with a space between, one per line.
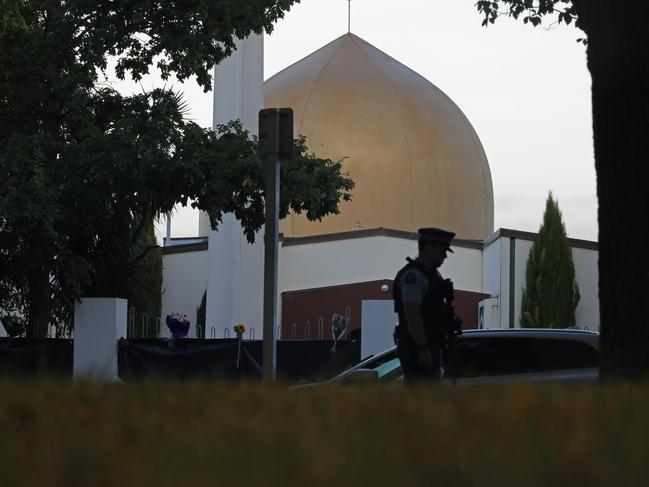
pixel 378 320
pixel 98 324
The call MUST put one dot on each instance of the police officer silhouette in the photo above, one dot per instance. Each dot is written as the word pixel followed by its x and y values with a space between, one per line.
pixel 419 300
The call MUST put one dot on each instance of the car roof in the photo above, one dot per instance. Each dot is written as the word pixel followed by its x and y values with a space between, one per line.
pixel 590 337
pixel 532 331
pixel 586 336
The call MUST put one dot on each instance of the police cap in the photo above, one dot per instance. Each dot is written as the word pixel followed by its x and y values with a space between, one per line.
pixel 437 235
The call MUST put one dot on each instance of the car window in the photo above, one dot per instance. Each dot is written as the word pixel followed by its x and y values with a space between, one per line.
pixel 565 354
pixel 478 357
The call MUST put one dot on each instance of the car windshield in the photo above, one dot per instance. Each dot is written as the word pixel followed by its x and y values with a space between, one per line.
pixel 387 367
pixel 371 362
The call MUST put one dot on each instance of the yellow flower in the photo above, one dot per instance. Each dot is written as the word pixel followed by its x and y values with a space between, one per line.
pixel 239 328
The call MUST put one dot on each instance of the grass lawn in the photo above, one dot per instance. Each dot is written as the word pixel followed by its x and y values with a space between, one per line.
pixel 56 433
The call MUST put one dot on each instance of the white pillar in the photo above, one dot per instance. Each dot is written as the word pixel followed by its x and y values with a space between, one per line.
pixel 378 320
pixel 98 324
pixel 235 268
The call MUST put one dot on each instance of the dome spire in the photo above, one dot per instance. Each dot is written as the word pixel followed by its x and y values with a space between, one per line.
pixel 349 16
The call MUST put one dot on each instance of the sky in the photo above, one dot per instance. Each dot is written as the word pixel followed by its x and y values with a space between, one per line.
pixel 525 90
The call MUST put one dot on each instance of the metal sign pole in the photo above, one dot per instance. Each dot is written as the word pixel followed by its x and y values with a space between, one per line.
pixel 276 143
pixel 271 248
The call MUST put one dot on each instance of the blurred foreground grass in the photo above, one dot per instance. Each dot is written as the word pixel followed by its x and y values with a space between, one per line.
pixel 62 434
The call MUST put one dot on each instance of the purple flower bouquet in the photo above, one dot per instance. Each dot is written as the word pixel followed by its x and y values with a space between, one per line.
pixel 179 325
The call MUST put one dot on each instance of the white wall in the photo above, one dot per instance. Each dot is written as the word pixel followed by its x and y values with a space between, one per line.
pixel 321 264
pixel 522 253
pixel 464 268
pixel 98 324
pixel 492 277
pixel 491 269
pixel 378 320
pixel 184 279
pixel 587 274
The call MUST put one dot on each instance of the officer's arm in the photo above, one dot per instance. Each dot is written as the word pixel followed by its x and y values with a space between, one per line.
pixel 412 310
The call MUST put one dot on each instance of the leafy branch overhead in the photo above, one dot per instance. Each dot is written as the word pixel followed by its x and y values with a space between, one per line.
pixel 186 38
pixel 235 179
pixel 530 11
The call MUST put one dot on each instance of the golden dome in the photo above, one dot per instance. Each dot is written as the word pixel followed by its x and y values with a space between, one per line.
pixel 412 153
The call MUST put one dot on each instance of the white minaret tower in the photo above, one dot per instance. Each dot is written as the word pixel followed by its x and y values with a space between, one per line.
pixel 235 281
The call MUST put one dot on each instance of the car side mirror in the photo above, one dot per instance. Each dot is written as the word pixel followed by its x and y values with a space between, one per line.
pixel 363 376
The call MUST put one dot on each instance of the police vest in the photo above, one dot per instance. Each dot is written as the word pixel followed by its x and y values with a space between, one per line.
pixel 433 312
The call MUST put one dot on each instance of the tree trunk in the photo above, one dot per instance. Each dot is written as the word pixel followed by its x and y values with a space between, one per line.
pixel 39 303
pixel 618 60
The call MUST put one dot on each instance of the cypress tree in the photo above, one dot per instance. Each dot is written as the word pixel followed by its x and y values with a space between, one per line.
pixel 551 293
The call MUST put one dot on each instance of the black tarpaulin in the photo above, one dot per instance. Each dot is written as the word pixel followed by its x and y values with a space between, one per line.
pixel 186 359
pixel 192 358
pixel 36 356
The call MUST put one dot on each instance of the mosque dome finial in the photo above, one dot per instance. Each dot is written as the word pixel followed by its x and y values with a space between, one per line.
pixel 349 16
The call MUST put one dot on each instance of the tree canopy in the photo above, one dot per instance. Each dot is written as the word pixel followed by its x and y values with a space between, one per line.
pixel 84 169
pixel 10 18
pixel 551 293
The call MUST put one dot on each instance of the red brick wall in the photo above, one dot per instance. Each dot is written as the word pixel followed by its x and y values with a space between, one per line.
pixel 298 307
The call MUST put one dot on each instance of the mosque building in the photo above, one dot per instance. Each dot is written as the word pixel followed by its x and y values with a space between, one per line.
pixel 416 162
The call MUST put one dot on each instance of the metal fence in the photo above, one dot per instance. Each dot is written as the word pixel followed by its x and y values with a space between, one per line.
pixel 340 328
pixel 144 327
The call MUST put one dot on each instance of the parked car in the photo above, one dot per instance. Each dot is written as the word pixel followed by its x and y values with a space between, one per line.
pixel 499 355
pixel 383 367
